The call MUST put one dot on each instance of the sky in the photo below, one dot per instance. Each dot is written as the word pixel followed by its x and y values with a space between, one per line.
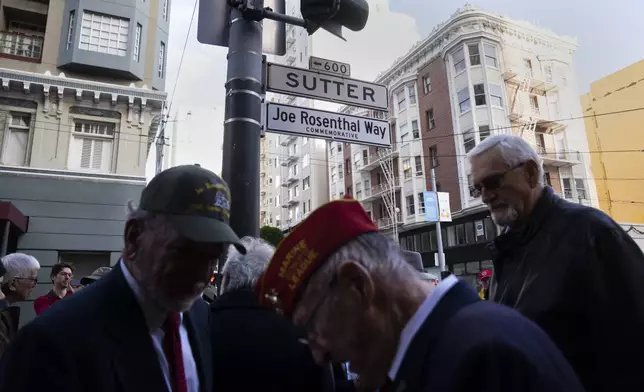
pixel 606 32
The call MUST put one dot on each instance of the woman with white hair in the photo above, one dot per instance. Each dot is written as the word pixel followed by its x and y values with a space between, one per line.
pixel 21 276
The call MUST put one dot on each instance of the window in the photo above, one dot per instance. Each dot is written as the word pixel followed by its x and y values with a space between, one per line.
pixel 418 162
pixel 469 141
pixel 296 191
pixel 161 70
pixel 350 191
pixel 404 133
pixel 484 132
pixel 414 129
pixel 137 42
pixel 359 194
pixel 431 123
pixel 367 187
pixel 306 160
pixel 412 95
pixel 464 100
pixel 475 54
pixel 334 175
pixel 293 171
pixel 347 166
pixel 164 12
pixel 400 98
pixel 340 171
pixel 496 95
pixel 357 158
pixel 581 189
pixel 479 94
pixel 339 147
pixel 421 203
pixel 433 156
pixel 91 146
pixel 104 34
pixel 567 188
pixel 490 56
pixel 70 29
pixel 306 183
pixel 16 140
pixel 459 60
pixel 527 63
pixel 548 72
pixel 427 84
pixel 410 205
pixel 406 169
pixel 473 192
pixel 534 103
pixel 365 157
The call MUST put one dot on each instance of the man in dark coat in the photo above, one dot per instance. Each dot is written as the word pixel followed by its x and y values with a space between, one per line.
pixel 360 301
pixel 568 267
pixel 254 349
pixel 143 327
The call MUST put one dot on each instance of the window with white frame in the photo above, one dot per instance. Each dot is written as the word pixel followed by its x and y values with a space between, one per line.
pixel 367 187
pixel 479 95
pixel 548 72
pixel 418 163
pixel 357 158
pixel 415 131
pixel 412 94
pixel 334 174
pixel 162 54
pixel 403 129
pixel 431 122
pixel 137 42
pixel 475 54
pixel 433 156
pixel 358 190
pixel 421 203
pixel 581 189
pixel 296 191
pixel 427 84
pixel 464 100
pixel 292 149
pixel 459 60
pixel 484 132
pixel 306 160
pixel 164 12
pixel 91 146
pixel 496 95
pixel 70 29
pixel 401 100
pixel 293 170
pixel 16 139
pixel 469 140
pixel 406 168
pixel 306 183
pixel 410 205
pixel 104 33
pixel 490 56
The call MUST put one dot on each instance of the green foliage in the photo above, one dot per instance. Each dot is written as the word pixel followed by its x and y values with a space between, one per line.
pixel 272 235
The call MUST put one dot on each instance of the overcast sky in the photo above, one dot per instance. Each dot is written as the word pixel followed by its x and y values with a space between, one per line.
pixel 609 33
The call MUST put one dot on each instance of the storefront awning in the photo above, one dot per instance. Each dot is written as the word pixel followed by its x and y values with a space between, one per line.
pixel 9 212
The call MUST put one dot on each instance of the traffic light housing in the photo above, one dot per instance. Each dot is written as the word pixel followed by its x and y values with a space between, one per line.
pixel 331 14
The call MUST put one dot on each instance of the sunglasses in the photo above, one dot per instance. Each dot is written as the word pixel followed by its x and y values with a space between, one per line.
pixel 494 181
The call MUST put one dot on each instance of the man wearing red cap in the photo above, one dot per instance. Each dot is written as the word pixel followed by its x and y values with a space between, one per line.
pixel 484 282
pixel 360 301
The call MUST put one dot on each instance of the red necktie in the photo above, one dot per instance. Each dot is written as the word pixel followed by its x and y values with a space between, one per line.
pixel 174 354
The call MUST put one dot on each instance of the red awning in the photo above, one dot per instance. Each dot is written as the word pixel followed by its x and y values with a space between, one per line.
pixel 9 212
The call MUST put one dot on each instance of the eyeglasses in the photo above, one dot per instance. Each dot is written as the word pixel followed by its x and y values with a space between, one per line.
pixel 493 181
pixel 34 281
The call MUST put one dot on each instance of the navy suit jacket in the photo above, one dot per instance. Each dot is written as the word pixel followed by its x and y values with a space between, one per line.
pixel 469 345
pixel 97 340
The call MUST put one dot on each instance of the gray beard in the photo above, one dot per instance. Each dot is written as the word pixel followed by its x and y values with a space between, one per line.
pixel 505 218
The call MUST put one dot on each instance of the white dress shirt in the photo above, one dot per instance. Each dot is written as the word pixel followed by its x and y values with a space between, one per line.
pixel 413 325
pixel 155 320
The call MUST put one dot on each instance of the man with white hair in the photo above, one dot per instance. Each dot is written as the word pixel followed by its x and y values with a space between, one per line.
pixel 568 267
pixel 20 277
pixel 253 348
pixel 360 301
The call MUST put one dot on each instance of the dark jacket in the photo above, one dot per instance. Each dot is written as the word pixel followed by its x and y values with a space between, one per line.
pixel 469 345
pixel 97 341
pixel 9 321
pixel 255 349
pixel 577 274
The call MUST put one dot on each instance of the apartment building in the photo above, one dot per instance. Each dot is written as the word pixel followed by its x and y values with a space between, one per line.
pixel 81 99
pixel 478 74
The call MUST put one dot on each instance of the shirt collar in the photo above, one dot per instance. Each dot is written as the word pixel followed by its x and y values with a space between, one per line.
pixel 153 316
pixel 417 320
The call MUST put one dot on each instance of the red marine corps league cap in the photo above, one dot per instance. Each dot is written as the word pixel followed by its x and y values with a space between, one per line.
pixel 306 248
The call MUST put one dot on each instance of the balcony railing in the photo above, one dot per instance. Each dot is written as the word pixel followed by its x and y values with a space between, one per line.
pixel 21 46
pixel 559 158
pixel 386 223
pixel 374 159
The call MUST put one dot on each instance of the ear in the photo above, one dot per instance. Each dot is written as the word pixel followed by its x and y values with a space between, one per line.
pixel 131 237
pixel 354 277
pixel 532 171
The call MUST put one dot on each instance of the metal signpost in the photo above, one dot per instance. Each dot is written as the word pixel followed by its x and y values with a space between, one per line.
pixel 321 124
pixel 329 66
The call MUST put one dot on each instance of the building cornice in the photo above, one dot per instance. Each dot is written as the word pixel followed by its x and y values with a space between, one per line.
pixel 72 175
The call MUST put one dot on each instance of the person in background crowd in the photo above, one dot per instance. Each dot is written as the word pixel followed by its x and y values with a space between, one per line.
pixel 144 326
pixel 568 267
pixel 98 274
pixel 19 277
pixel 361 302
pixel 61 276
pixel 484 283
pixel 254 349
pixel 416 261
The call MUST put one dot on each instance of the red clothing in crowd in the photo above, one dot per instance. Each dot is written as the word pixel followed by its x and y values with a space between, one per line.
pixel 45 301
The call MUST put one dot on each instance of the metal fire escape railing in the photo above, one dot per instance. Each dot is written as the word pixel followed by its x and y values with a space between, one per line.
pixel 389 195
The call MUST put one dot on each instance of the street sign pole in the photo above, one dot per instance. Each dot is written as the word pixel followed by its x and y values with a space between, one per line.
pixel 242 124
pixel 439 234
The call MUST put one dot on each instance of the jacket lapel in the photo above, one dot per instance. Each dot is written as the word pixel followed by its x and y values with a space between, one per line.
pixel 135 361
pixel 198 327
pixel 411 373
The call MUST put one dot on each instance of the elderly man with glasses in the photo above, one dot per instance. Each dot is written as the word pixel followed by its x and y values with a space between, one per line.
pixel 360 301
pixel 20 277
pixel 568 267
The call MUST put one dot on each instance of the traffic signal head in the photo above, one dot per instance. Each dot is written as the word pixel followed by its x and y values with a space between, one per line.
pixel 352 14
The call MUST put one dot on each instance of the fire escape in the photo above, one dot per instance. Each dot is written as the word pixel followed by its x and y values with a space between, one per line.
pixel 386 161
